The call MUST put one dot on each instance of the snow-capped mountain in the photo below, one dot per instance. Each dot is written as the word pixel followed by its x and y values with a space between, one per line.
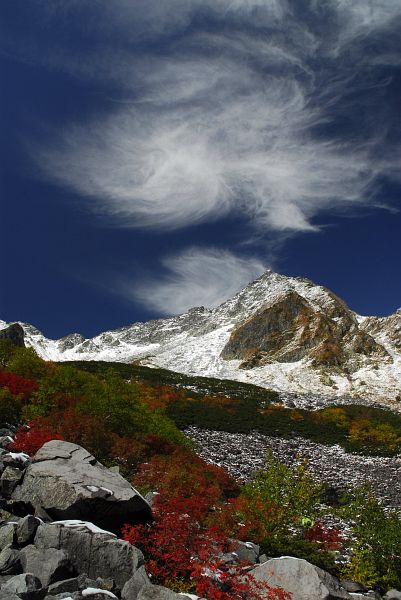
pixel 280 332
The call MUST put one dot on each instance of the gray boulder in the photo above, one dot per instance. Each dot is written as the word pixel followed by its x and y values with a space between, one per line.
pixel 7 534
pixel 4 579
pixel 246 551
pixel 370 595
pixel 393 595
pixel 91 550
pixel 49 565
pixel 26 530
pixel 9 480
pixel 5 441
pixel 26 586
pixel 19 460
pixel 299 577
pixel 10 561
pixel 77 584
pixel 10 596
pixel 353 586
pixel 133 586
pixel 67 482
pixel 88 593
pixel 94 594
pixel 66 585
pixel 158 592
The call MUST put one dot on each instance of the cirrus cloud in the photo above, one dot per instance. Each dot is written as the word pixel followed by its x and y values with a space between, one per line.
pixel 225 115
pixel 196 277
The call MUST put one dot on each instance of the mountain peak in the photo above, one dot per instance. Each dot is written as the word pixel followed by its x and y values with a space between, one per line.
pixel 279 332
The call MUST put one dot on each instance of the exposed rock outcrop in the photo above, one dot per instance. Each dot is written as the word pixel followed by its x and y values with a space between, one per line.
pixel 290 329
pixel 387 329
pixel 69 558
pixel 64 481
pixel 14 333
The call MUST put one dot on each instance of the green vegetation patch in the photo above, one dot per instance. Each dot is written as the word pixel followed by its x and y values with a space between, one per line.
pixel 199 386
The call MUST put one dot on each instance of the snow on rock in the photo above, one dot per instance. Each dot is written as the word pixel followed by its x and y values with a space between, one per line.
pixel 19 456
pixel 192 343
pixel 93 591
pixel 76 523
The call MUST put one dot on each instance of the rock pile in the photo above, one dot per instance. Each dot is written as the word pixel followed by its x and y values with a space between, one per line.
pixel 71 558
pixel 242 454
pixel 75 559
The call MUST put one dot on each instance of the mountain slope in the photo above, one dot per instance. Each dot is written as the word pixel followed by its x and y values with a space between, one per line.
pixel 279 332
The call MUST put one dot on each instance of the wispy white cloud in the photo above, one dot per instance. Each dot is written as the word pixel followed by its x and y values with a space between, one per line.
pixel 224 119
pixel 196 277
pixel 209 138
pixel 362 17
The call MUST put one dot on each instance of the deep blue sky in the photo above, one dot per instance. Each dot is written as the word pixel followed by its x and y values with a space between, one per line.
pixel 160 157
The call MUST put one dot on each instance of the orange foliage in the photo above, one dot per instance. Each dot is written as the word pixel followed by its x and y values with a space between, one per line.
pixel 363 430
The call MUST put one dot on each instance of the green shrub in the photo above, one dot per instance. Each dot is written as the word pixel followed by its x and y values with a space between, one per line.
pixel 10 407
pixel 376 554
pixel 7 350
pixel 293 489
pixel 26 363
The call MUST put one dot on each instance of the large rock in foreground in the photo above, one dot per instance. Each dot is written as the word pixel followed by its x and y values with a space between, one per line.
pixel 90 550
pixel 302 579
pixel 64 481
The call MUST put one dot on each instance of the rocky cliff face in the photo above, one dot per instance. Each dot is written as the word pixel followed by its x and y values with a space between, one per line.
pixel 14 333
pixel 291 329
pixel 386 329
pixel 280 332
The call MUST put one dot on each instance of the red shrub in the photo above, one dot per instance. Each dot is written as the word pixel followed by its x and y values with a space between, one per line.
pixel 64 402
pixel 157 445
pixel 18 386
pixel 158 397
pixel 86 430
pixel 29 438
pixel 185 471
pixel 128 453
pixel 326 537
pixel 182 551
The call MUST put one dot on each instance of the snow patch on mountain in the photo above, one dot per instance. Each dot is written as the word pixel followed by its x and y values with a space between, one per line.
pixel 192 343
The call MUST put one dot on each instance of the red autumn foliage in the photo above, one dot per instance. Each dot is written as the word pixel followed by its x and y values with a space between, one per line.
pixel 247 519
pixel 128 453
pixel 187 473
pixel 157 445
pixel 181 549
pixel 30 438
pixel 18 386
pixel 327 538
pixel 86 430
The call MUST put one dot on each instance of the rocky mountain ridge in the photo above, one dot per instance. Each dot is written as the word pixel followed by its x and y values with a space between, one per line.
pixel 279 332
